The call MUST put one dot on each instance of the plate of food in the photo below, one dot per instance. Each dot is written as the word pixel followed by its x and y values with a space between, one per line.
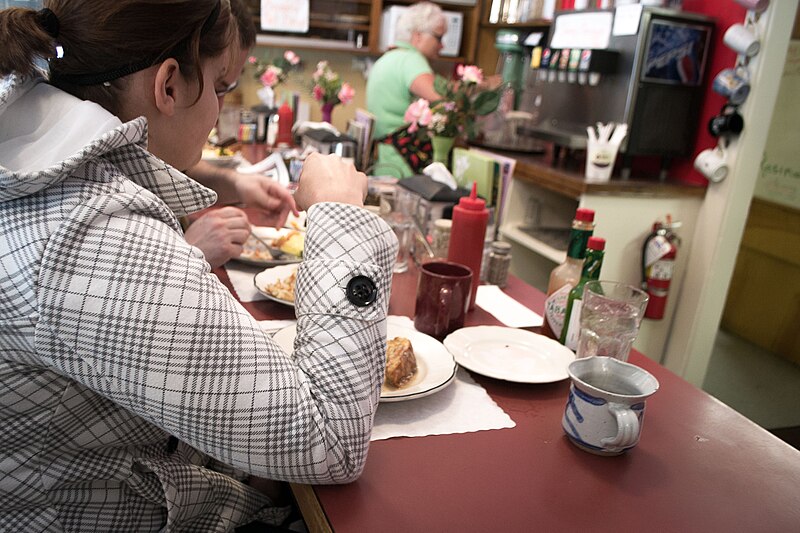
pixel 510 354
pixel 272 247
pixel 222 157
pixel 417 365
pixel 277 283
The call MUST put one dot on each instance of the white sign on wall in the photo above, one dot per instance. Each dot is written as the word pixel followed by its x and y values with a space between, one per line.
pixel 779 175
pixel 285 15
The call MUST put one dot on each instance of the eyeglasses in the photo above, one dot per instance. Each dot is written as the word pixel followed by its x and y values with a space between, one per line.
pixel 435 36
pixel 232 87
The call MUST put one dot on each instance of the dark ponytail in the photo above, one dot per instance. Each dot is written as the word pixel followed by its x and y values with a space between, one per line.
pixel 23 39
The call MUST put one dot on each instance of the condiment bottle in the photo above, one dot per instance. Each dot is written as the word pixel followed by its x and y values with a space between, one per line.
pixel 567 274
pixel 284 124
pixel 591 271
pixel 467 234
pixel 499 261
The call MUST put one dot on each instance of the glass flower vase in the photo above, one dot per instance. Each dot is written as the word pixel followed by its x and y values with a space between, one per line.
pixel 442 146
pixel 327 111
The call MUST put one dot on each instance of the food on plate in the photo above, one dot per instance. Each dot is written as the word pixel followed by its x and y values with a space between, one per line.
pixel 291 243
pixel 401 364
pixel 283 289
pixel 255 250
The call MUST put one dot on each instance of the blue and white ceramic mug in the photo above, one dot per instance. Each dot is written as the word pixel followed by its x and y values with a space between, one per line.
pixel 606 404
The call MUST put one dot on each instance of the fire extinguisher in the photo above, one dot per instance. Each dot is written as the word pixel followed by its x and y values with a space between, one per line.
pixel 658 264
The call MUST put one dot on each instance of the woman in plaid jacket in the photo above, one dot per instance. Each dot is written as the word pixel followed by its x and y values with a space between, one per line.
pixel 115 337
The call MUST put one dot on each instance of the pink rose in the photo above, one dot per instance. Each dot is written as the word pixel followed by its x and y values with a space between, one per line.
pixel 291 57
pixel 470 73
pixel 346 93
pixel 271 76
pixel 252 60
pixel 418 112
pixel 318 93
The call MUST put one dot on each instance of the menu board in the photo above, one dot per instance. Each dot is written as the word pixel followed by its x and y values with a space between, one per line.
pixel 285 15
pixel 779 175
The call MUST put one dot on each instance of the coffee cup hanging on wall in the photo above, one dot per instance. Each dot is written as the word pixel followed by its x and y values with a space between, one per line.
pixel 728 122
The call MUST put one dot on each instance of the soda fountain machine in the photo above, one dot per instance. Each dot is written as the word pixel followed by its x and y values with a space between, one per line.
pixel 638 65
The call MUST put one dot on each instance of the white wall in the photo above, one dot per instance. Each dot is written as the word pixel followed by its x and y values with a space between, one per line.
pixel 722 217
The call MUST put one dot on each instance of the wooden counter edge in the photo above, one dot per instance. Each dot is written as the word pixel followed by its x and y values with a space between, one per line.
pixel 574 185
pixel 538 170
pixel 312 512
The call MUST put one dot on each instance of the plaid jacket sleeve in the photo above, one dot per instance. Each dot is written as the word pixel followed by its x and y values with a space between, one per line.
pixel 131 311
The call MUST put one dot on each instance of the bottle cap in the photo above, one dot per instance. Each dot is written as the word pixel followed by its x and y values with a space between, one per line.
pixel 443 223
pixel 584 215
pixel 501 247
pixel 473 203
pixel 596 243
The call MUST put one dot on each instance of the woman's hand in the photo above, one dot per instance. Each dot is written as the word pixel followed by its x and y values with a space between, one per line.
pixel 327 178
pixel 219 234
pixel 273 200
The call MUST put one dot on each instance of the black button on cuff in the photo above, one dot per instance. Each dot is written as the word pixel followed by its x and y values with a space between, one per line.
pixel 361 291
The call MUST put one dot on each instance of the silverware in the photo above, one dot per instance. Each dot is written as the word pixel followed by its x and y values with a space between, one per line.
pixel 275 252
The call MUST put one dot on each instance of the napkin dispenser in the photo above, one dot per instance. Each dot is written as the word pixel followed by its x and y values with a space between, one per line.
pixel 326 142
pixel 435 200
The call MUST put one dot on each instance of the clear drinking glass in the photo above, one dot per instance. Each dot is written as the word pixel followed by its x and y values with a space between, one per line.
pixel 397 208
pixel 611 313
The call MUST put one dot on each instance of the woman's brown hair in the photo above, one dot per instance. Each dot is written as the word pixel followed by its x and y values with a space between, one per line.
pixel 104 40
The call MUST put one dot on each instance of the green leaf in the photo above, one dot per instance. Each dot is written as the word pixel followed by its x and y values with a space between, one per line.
pixel 486 102
pixel 440 85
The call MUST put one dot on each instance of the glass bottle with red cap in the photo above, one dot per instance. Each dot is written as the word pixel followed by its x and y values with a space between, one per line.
pixel 567 274
pixel 591 271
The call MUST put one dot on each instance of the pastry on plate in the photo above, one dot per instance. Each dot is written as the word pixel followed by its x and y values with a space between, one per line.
pixel 401 364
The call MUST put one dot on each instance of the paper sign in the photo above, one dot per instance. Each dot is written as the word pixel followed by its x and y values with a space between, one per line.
pixel 285 15
pixel 626 19
pixel 582 30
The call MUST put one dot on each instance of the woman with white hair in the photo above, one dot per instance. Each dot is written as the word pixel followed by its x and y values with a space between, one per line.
pixel 404 74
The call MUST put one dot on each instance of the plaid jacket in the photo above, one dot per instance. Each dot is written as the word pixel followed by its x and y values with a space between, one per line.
pixel 114 335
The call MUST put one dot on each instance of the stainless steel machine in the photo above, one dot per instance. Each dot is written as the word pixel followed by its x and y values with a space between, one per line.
pixel 649 75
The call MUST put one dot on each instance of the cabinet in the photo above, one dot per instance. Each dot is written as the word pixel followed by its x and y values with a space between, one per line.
pixel 541 201
pixel 354 26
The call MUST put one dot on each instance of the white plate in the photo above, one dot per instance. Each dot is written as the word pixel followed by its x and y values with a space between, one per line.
pixel 271 275
pixel 510 354
pixel 255 252
pixel 225 161
pixel 436 368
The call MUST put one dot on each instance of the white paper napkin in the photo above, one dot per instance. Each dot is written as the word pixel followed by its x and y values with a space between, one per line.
pixel 463 407
pixel 273 326
pixel 506 309
pixel 241 277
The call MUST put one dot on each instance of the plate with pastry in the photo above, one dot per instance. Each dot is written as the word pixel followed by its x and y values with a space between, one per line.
pixel 271 247
pixel 417 365
pixel 277 283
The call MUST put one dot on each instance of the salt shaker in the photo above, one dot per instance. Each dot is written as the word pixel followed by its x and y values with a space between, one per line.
pixel 441 236
pixel 499 261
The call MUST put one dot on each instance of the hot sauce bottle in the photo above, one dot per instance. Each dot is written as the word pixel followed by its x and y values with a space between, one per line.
pixel 467 236
pixel 567 274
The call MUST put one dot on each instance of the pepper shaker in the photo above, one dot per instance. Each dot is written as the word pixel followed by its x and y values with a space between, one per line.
pixel 499 261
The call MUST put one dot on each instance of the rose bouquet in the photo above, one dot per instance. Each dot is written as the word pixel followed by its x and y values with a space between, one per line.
pixel 463 100
pixel 329 89
pixel 273 73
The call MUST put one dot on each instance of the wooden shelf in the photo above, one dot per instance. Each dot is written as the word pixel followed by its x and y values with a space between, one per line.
pixel 528 25
pixel 513 233
pixel 310 43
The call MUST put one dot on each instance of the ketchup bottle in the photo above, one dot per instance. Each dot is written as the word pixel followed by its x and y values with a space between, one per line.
pixel 284 124
pixel 467 235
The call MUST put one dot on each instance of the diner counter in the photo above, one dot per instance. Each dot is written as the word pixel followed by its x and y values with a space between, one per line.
pixel 700 466
pixel 566 177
